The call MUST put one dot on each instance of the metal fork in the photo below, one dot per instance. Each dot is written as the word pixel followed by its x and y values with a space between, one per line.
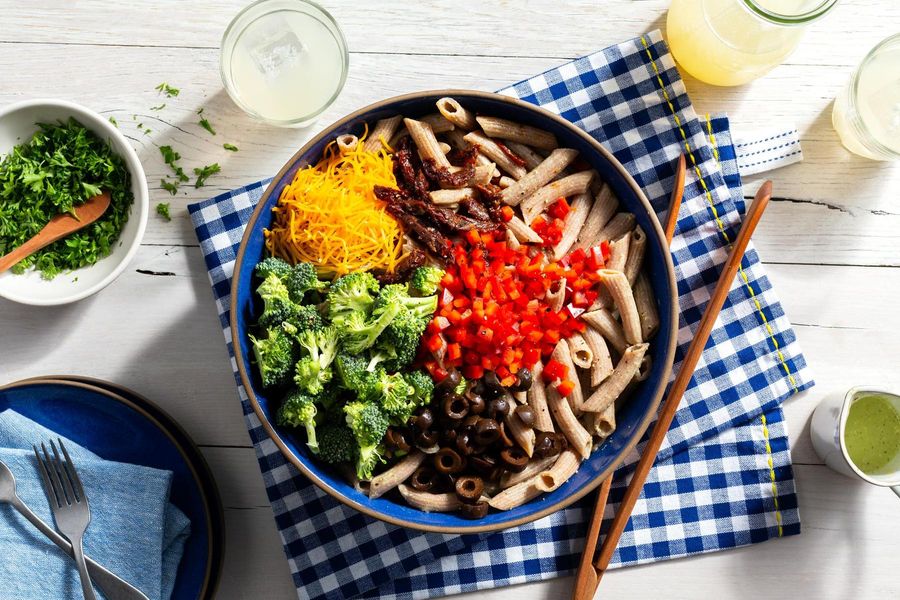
pixel 69 504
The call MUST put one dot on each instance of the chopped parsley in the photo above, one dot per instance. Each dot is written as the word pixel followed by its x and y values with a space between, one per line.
pixel 170 157
pixel 160 107
pixel 230 147
pixel 162 209
pixel 169 186
pixel 60 167
pixel 113 121
pixel 203 173
pixel 168 90
pixel 205 125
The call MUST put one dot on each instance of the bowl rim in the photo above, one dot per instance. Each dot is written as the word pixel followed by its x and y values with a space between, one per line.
pixel 141 201
pixel 637 434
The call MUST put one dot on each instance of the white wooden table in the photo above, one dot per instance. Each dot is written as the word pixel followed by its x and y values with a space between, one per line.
pixel 830 239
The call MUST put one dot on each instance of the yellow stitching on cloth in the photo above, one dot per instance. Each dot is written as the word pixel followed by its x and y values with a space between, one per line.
pixel 712 138
pixel 765 429
pixel 715 212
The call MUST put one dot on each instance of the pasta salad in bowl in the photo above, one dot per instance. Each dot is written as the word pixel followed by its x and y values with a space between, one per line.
pixel 454 311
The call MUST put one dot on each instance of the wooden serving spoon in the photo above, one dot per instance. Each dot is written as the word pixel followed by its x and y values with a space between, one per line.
pixel 59 227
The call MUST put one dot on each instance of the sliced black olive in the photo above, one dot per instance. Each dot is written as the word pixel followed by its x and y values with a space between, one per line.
pixel 469 488
pixel 426 439
pixel 450 381
pixel 504 437
pixel 424 419
pixel 464 443
pixel 498 408
pixel 476 403
pixel 514 459
pixel 492 385
pixel 455 407
pixel 482 464
pixel 396 439
pixel 447 460
pixel 448 437
pixel 523 380
pixel 424 478
pixel 525 414
pixel 543 444
pixel 487 431
pixel 474 511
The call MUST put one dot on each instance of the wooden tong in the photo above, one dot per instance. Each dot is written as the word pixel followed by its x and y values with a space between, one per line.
pixel 590 571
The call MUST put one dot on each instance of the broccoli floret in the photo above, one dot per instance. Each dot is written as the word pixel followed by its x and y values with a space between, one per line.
pixel 400 342
pixel 396 396
pixel 305 317
pixel 277 305
pixel 425 280
pixel 274 356
pixel 461 386
pixel 301 279
pixel 352 293
pixel 357 334
pixel 336 443
pixel 397 294
pixel 368 424
pixel 299 410
pixel 272 266
pixel 313 370
pixel 351 369
pixel 422 384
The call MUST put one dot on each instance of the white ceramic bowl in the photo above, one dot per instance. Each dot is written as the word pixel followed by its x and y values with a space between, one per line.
pixel 17 125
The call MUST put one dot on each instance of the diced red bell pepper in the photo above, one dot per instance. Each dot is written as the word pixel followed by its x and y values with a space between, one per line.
pixel 565 388
pixel 554 370
pixel 559 209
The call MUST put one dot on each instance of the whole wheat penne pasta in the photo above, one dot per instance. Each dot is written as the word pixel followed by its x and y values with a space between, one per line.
pixel 623 297
pixel 578 212
pixel 456 139
pixel 605 422
pixel 383 483
pixel 444 146
pixel 645 302
pixel 602 210
pixel 569 185
pixel 618 226
pixel 636 249
pixel 483 174
pixel 521 433
pixel 523 231
pixel 601 365
pixel 562 355
pixel 401 133
pixel 512 241
pixel 428 502
pixel 618 255
pixel 438 123
pixel 348 473
pixel 537 400
pixel 603 321
pixel 381 134
pixel 615 384
pixel 454 112
pixel 579 438
pixel 533 467
pixel 505 129
pixel 556 295
pixel 346 142
pixel 580 351
pixel 564 467
pixel 532 159
pixel 539 176
pixel 515 495
pixel 423 135
pixel 489 148
pixel 644 370
pixel 506 181
pixel 520 397
pixel 446 197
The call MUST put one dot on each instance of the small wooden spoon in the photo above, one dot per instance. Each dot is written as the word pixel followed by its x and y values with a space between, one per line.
pixel 59 227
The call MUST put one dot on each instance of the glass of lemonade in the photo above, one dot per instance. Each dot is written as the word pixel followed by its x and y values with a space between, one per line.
pixel 284 61
pixel 866 113
pixel 731 42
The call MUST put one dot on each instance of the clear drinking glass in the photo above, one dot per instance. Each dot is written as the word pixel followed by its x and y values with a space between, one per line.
pixel 284 61
pixel 866 113
pixel 731 42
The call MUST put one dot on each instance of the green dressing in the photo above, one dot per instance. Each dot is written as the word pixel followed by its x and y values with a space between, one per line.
pixel 872 435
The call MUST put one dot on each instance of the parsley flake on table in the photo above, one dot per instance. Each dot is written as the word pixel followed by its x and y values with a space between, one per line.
pixel 230 147
pixel 162 209
pixel 205 125
pixel 113 121
pixel 58 169
pixel 170 157
pixel 160 107
pixel 203 173
pixel 169 186
pixel 168 90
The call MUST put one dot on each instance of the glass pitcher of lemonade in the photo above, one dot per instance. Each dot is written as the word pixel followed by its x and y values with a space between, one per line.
pixel 731 42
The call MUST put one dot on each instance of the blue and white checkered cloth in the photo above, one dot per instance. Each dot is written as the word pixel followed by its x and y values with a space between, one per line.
pixel 723 478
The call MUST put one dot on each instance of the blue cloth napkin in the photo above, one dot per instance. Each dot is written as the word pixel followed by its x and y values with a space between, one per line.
pixel 134 532
pixel 723 478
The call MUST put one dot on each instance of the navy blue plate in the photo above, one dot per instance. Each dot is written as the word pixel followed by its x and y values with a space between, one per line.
pixel 633 417
pixel 120 425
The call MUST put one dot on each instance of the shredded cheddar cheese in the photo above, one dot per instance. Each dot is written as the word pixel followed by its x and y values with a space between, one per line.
pixel 329 216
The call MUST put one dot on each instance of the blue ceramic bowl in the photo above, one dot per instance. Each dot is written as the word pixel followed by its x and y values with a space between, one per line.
pixel 633 418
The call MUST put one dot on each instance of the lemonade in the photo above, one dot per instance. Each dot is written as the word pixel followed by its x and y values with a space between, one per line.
pixel 731 42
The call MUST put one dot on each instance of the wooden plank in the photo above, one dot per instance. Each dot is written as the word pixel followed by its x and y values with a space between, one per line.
pixel 255 565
